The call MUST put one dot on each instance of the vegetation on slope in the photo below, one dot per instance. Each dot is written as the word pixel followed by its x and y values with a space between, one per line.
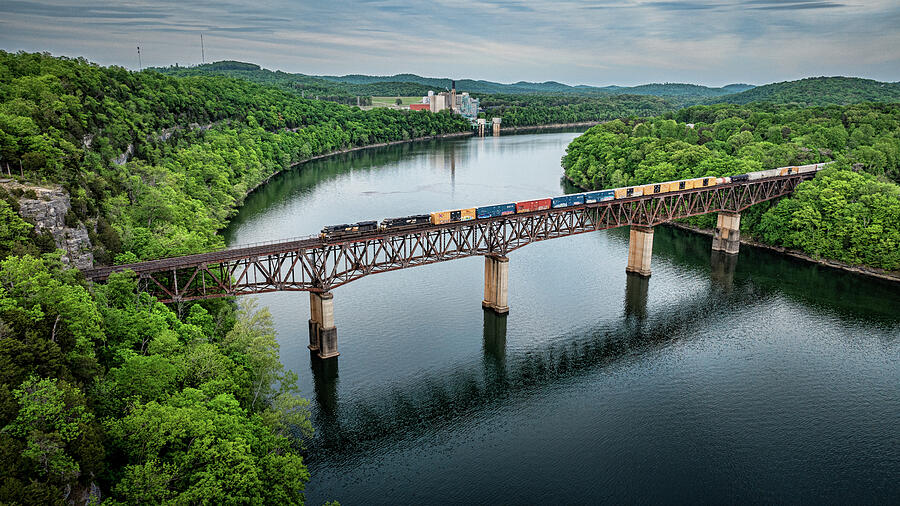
pixel 529 110
pixel 818 91
pixel 65 121
pixel 850 212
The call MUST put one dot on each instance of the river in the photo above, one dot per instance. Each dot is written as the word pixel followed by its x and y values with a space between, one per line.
pixel 762 379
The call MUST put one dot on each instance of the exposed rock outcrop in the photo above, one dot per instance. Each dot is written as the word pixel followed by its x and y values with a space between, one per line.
pixel 46 208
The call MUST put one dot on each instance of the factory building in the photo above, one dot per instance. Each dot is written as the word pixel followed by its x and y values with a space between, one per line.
pixel 461 104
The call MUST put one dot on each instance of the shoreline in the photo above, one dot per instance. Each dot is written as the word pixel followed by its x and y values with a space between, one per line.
pixel 873 272
pixel 549 126
pixel 356 148
pixel 863 270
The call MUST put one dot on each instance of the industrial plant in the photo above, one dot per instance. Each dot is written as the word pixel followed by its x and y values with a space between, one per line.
pixel 461 104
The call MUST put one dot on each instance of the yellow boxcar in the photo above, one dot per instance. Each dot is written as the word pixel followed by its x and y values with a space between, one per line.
pixel 680 185
pixel 707 181
pixel 649 189
pixel 440 218
pixel 620 193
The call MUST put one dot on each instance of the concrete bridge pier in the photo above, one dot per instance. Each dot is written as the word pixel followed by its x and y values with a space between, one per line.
pixel 640 250
pixel 496 284
pixel 322 332
pixel 728 233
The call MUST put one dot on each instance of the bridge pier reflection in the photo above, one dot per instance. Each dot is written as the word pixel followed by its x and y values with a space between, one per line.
pixel 325 381
pixel 494 346
pixel 722 268
pixel 322 332
pixel 636 289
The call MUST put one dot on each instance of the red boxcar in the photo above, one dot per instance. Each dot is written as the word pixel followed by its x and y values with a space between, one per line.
pixel 532 205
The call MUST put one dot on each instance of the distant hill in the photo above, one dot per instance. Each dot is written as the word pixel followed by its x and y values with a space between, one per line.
pixel 547 87
pixel 819 91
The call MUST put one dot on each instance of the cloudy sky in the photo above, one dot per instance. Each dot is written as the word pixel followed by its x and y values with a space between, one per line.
pixel 598 42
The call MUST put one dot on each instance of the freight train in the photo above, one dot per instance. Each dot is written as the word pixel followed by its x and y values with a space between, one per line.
pixel 576 199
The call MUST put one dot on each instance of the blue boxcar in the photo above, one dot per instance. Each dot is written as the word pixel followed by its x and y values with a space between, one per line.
pixel 567 201
pixel 497 210
pixel 594 197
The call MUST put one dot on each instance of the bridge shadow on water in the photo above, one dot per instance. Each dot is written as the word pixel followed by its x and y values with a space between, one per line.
pixel 441 399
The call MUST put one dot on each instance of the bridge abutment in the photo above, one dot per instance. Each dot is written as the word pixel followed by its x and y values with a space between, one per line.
pixel 728 233
pixel 640 250
pixel 496 284
pixel 322 332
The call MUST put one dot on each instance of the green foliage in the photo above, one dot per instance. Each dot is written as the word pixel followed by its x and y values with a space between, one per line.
pixel 187 150
pixel 819 91
pixel 841 215
pixel 529 110
pixel 112 390
pixel 13 229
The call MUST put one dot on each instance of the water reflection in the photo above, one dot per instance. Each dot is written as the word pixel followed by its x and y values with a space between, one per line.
pixel 436 399
pixel 636 288
pixel 722 269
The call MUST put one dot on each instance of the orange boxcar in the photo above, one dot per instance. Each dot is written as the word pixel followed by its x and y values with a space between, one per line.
pixel 532 205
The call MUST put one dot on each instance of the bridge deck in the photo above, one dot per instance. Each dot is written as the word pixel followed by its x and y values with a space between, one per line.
pixel 317 264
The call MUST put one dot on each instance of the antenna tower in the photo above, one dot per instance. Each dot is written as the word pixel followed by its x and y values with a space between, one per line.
pixel 202 51
pixel 140 65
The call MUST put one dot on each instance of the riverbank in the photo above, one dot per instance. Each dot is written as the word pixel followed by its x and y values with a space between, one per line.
pixel 550 126
pixel 454 135
pixel 834 264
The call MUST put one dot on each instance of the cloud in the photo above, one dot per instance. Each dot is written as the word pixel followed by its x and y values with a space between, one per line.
pixel 593 42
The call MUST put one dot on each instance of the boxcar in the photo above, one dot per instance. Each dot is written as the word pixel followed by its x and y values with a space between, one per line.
pixel 706 181
pixel 594 197
pixel 740 177
pixel 496 210
pixel 532 205
pixel 567 201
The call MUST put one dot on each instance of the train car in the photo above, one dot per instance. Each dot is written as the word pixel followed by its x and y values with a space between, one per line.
pixel 723 180
pixel 351 229
pixel 740 177
pixel 405 222
pixel 494 211
pixel 786 171
pixel 649 189
pixel 442 217
pixel 631 191
pixel 705 182
pixel 684 184
pixel 809 168
pixel 532 205
pixel 601 196
pixel 567 201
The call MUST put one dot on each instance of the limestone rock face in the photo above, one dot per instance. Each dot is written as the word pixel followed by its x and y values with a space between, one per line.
pixel 48 213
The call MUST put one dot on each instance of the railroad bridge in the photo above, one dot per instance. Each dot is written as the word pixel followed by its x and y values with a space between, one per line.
pixel 318 265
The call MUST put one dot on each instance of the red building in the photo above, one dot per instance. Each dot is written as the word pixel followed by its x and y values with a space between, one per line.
pixel 419 107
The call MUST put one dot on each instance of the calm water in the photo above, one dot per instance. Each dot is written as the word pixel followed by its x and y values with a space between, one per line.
pixel 767 379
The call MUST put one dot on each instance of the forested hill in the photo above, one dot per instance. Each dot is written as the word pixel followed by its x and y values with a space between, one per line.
pixel 347 88
pixel 819 91
pixel 548 87
pixel 850 212
pixel 107 395
pixel 188 149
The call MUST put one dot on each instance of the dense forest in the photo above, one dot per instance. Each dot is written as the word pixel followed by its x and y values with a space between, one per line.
pixel 850 212
pixel 819 91
pixel 155 164
pixel 530 110
pixel 106 393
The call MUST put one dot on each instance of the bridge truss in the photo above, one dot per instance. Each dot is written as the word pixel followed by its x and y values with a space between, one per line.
pixel 320 265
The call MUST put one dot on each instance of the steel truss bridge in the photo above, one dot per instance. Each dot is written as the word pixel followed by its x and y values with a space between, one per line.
pixel 316 264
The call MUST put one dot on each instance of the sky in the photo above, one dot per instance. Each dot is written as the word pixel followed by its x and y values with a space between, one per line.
pixel 594 42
